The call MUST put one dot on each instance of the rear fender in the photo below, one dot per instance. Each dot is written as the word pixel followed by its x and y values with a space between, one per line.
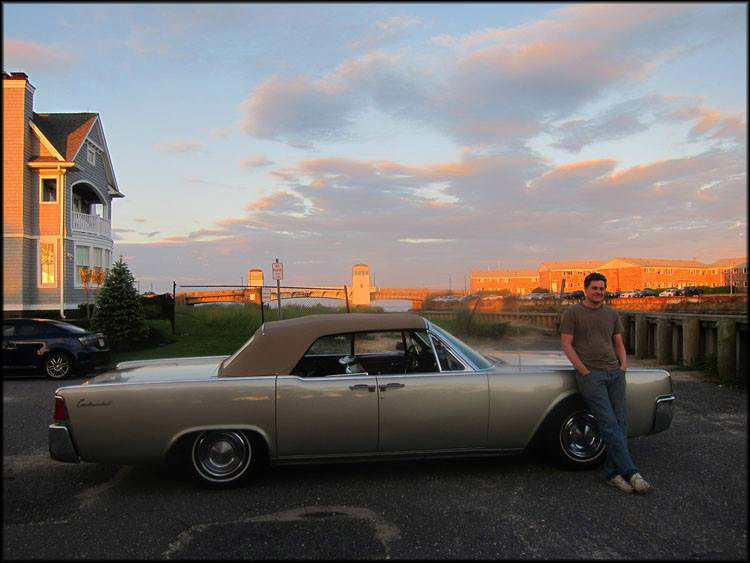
pixel 182 437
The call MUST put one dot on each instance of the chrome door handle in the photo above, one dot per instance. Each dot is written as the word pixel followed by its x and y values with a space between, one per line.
pixel 362 387
pixel 391 386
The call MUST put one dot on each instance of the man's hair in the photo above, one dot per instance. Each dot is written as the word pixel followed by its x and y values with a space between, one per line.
pixel 594 276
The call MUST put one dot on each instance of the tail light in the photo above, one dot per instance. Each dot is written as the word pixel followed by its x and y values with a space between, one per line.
pixel 61 412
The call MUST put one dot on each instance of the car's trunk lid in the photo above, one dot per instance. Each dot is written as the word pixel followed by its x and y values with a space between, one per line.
pixel 169 369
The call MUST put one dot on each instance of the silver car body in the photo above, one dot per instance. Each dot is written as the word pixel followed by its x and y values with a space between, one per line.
pixel 137 412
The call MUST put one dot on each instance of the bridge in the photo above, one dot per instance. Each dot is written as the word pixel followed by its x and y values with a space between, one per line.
pixel 360 292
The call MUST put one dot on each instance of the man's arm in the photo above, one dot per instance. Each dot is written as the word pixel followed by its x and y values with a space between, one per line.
pixel 566 340
pixel 622 355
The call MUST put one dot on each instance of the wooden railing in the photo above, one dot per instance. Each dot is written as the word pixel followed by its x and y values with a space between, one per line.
pixel 91 224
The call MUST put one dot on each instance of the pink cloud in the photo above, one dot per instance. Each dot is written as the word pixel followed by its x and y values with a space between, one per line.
pixel 32 55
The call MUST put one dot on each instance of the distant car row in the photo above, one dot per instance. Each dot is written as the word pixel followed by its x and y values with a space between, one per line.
pixel 579 294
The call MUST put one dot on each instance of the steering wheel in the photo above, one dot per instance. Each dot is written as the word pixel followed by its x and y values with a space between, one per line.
pixel 411 359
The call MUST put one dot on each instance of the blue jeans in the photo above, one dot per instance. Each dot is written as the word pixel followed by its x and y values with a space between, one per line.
pixel 604 393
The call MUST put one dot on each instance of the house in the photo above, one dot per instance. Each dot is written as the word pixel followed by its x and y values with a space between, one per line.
pixel 58 188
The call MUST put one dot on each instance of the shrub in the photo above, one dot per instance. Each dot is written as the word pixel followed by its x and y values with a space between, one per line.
pixel 118 312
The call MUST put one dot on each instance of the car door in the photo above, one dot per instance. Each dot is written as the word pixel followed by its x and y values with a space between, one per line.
pixel 440 404
pixel 325 410
pixel 28 344
pixel 10 350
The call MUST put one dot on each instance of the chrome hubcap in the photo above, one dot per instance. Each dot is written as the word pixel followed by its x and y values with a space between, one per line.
pixel 58 366
pixel 221 456
pixel 580 437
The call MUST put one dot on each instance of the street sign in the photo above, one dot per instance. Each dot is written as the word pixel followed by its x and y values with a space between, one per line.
pixel 277 270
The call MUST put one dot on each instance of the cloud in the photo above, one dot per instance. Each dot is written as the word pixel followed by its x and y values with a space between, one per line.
pixel 279 202
pixel 32 56
pixel 255 161
pixel 179 146
pixel 499 86
pixel 385 31
pixel 640 114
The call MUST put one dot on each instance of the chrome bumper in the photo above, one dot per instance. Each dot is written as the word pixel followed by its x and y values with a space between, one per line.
pixel 61 446
pixel 663 413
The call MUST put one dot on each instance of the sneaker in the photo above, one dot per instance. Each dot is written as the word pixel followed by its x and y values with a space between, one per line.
pixel 639 484
pixel 620 483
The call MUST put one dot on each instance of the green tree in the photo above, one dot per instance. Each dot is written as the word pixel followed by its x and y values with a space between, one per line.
pixel 118 311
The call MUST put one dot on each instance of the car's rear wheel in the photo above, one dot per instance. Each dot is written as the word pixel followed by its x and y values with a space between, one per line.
pixel 573 438
pixel 58 365
pixel 225 458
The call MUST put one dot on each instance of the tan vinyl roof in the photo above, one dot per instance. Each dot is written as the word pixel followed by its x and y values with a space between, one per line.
pixel 277 346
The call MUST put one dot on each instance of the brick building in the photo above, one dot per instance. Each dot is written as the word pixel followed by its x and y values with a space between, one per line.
pixel 623 274
pixel 515 281
pixel 58 188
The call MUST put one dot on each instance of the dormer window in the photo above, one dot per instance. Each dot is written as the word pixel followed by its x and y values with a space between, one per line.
pixel 48 190
pixel 91 154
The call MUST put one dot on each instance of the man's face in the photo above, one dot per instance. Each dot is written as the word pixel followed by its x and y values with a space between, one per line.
pixel 595 291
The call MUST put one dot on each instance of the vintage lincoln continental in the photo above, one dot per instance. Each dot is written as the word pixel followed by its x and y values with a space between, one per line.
pixel 340 387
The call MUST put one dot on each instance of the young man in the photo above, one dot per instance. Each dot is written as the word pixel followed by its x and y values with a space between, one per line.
pixel 591 337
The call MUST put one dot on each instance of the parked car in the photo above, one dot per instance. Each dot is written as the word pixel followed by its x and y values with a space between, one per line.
pixel 541 296
pixel 55 348
pixel 631 294
pixel 614 294
pixel 692 290
pixel 338 387
pixel 671 292
pixel 578 294
pixel 647 293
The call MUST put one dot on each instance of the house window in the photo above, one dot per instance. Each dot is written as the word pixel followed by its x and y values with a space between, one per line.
pixel 48 264
pixel 91 155
pixel 49 190
pixel 82 263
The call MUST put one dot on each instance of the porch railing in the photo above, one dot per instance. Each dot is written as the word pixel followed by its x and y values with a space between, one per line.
pixel 91 224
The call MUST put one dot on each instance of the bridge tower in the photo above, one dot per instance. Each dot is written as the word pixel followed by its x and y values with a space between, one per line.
pixel 255 278
pixel 360 291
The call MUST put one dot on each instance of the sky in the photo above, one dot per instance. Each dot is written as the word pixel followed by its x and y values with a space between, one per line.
pixel 426 140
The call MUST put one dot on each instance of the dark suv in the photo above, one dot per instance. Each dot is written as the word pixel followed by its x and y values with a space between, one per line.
pixel 692 290
pixel 56 348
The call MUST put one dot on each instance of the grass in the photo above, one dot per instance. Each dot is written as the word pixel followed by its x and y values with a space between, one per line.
pixel 212 330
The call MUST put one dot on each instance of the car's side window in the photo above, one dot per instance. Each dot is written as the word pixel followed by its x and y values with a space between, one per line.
pixel 27 329
pixel 448 362
pixel 322 358
pixel 9 331
pixel 332 344
pixel 379 343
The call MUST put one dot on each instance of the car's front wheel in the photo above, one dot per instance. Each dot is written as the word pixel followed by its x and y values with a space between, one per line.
pixel 58 365
pixel 225 458
pixel 573 438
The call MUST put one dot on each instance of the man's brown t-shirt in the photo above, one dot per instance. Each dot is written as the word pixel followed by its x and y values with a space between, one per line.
pixel 592 331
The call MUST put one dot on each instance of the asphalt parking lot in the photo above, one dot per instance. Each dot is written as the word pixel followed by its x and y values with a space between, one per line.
pixel 487 508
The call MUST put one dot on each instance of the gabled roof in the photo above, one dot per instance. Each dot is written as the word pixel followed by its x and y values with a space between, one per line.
pixel 66 131
pixel 571 265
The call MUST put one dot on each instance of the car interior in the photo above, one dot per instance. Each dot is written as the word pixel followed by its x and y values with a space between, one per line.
pixel 374 353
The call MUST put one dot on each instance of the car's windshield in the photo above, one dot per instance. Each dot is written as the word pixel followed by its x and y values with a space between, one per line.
pixel 479 360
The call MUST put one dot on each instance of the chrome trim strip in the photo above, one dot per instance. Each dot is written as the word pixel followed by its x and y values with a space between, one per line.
pixel 387 456
pixel 87 385
pixel 461 358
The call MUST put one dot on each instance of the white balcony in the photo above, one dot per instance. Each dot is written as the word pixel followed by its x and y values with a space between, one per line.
pixel 93 224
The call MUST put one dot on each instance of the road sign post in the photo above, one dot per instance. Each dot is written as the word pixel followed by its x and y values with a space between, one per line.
pixel 277 273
